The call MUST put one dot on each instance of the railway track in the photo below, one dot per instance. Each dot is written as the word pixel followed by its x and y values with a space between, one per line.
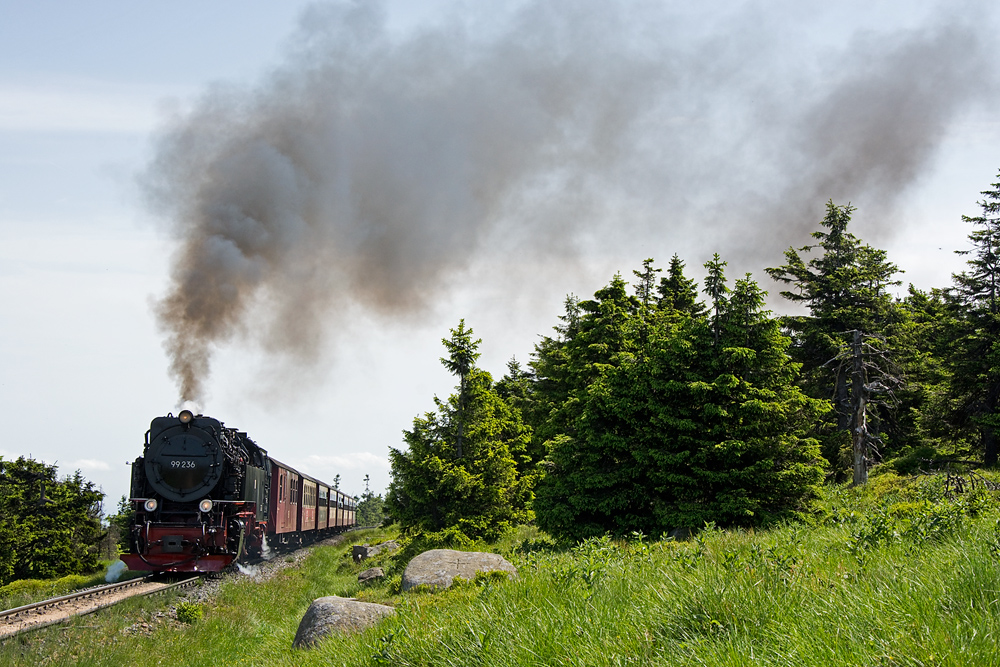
pixel 60 609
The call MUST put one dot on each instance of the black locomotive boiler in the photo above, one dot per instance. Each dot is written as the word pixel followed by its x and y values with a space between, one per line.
pixel 205 496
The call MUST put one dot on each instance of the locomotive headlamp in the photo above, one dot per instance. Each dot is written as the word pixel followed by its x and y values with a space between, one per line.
pixel 205 505
pixel 186 416
pixel 149 505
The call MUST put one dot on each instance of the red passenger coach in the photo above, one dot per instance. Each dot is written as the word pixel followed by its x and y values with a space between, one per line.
pixel 308 504
pixel 323 507
pixel 303 506
pixel 284 501
pixel 341 510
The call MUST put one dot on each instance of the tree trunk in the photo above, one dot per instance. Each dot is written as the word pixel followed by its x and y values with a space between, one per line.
pixel 842 402
pixel 461 416
pixel 989 433
pixel 989 446
pixel 859 423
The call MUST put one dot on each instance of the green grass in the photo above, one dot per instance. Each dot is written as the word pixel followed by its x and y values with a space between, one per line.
pixel 894 574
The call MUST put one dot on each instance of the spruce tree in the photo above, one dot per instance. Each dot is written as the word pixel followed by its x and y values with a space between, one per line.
pixel 595 334
pixel 975 328
pixel 845 288
pixel 480 494
pixel 705 424
pixel 677 292
pixel 517 389
pixel 715 287
pixel 461 358
pixel 646 285
pixel 370 509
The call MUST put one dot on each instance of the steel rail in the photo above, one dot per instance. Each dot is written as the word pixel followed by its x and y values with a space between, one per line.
pixel 87 592
pixel 11 614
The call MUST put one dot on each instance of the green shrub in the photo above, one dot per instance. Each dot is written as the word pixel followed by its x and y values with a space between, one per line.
pixel 189 612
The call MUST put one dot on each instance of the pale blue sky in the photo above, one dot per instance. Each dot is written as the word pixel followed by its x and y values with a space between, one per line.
pixel 85 87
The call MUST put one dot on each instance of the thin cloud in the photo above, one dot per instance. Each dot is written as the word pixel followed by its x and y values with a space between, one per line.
pixel 81 106
pixel 64 468
pixel 88 464
pixel 350 461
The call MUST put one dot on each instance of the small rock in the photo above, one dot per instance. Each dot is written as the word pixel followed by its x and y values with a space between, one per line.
pixel 371 574
pixel 363 551
pixel 335 614
pixel 438 567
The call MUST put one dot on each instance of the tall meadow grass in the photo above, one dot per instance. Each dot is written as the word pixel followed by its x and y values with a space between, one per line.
pixel 900 573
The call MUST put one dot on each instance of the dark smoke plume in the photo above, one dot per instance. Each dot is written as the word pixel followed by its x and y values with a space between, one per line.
pixel 371 168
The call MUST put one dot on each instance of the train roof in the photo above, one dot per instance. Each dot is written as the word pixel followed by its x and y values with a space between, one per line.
pixel 305 476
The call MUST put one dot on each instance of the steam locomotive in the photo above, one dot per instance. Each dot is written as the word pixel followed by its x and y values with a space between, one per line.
pixel 206 496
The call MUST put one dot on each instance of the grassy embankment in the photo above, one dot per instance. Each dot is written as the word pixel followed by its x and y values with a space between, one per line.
pixel 895 574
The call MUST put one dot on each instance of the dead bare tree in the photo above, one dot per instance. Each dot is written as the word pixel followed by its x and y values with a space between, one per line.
pixel 873 379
